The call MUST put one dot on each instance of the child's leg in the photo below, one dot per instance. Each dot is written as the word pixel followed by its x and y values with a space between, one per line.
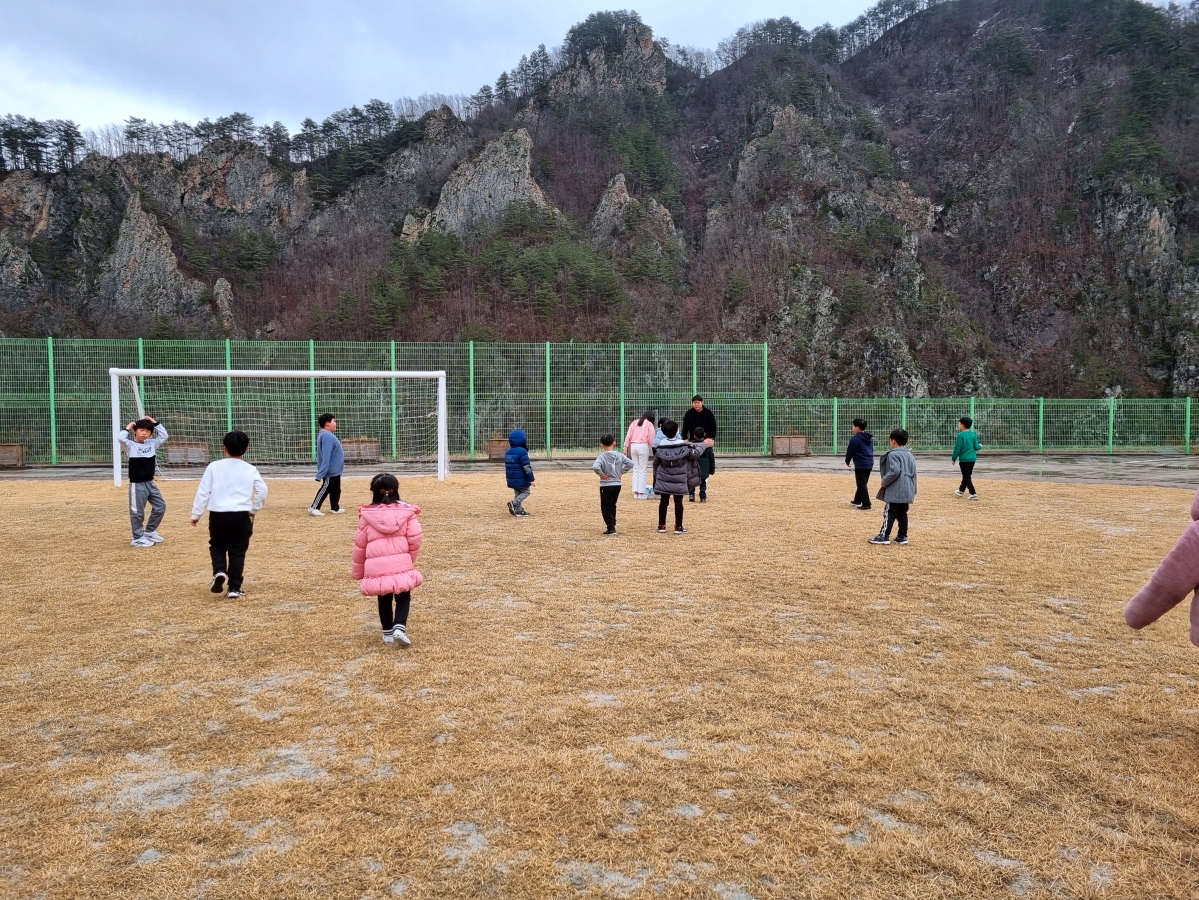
pixel 241 526
pixel 321 493
pixel 703 489
pixel 901 518
pixel 334 492
pixel 138 494
pixel 158 506
pixel 218 541
pixel 403 602
pixel 678 511
pixel 888 520
pixel 612 503
pixel 663 505
pixel 386 615
pixel 608 506
pixel 967 477
pixel 522 494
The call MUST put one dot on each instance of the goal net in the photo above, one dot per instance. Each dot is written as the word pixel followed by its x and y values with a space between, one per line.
pixel 393 421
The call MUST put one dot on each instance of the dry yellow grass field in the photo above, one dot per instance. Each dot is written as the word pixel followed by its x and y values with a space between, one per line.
pixel 766 707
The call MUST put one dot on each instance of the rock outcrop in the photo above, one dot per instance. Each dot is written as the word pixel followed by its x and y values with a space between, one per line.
pixel 620 219
pixel 481 189
pixel 140 282
pixel 640 66
pixel 21 282
pixel 25 204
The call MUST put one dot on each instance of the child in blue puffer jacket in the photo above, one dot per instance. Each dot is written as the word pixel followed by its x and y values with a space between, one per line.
pixel 518 469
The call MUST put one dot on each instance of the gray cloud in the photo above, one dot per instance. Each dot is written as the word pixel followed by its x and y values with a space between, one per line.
pixel 97 62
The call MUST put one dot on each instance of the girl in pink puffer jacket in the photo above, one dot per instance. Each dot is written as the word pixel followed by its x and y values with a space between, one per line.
pixel 385 549
pixel 1177 576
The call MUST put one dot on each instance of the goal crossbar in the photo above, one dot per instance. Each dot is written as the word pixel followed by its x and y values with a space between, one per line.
pixel 116 374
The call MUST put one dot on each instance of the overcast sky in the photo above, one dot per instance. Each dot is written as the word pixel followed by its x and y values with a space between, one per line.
pixel 99 61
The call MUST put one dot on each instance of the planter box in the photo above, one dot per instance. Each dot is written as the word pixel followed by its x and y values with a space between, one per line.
pixel 12 455
pixel 789 445
pixel 185 453
pixel 361 450
pixel 496 448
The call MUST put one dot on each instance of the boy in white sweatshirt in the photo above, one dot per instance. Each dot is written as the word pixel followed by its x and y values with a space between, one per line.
pixel 232 491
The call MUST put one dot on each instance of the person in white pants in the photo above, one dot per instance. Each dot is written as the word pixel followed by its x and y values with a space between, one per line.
pixel 637 443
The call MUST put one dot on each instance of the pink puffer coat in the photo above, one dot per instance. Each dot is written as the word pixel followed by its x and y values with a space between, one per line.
pixel 385 548
pixel 1177 576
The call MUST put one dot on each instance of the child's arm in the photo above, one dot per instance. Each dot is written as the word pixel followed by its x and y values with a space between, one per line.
pixel 416 537
pixel 324 453
pixel 160 433
pixel 888 471
pixel 626 465
pixel 358 555
pixel 203 492
pixel 527 464
pixel 595 467
pixel 259 498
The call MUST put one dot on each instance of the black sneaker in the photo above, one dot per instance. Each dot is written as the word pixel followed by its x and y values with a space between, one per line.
pixel 703 499
pixel 901 540
pixel 610 531
pixel 218 583
pixel 680 531
pixel 511 507
pixel 691 498
pixel 662 530
pixel 521 511
pixel 879 539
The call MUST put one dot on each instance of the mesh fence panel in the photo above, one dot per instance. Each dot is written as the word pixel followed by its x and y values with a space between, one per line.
pixel 591 389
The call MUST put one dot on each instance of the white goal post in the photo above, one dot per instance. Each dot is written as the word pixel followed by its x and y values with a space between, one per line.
pixel 279 408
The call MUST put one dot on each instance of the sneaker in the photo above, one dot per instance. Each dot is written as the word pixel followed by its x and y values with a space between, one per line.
pixel 680 531
pixel 703 499
pixel 511 507
pixel 609 532
pixel 235 595
pixel 154 536
pixel 141 542
pixel 218 583
pixel 901 540
pixel 974 496
pixel 691 498
pixel 401 635
pixel 856 505
pixel 338 512
pixel 662 530
pixel 313 511
pixel 521 511
pixel 959 493
pixel 388 636
pixel 879 539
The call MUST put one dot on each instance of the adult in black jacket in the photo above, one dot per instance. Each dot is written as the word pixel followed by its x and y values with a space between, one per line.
pixel 699 416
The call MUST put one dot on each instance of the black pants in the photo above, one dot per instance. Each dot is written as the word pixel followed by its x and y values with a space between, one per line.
pixel 608 498
pixel 389 616
pixel 228 540
pixel 895 513
pixel 664 504
pixel 331 488
pixel 703 490
pixel 862 495
pixel 967 476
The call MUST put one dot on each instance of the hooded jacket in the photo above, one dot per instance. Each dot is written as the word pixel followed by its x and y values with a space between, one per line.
pixel 707 461
pixel 385 548
pixel 518 468
pixel 676 466
pixel 861 450
pixel 609 466
pixel 898 468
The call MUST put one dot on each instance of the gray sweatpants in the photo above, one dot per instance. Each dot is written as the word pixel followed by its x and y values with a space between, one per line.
pixel 141 493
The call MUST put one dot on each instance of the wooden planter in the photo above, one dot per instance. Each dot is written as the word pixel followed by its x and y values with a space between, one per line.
pixel 186 453
pixel 789 445
pixel 12 455
pixel 361 450
pixel 496 448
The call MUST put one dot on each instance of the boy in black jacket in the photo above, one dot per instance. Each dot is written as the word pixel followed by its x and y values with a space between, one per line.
pixel 860 453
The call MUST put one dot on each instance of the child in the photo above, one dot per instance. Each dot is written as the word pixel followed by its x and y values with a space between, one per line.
pixel 638 441
pixel 673 471
pixel 384 560
pixel 232 491
pixel 330 463
pixel 707 465
pixel 1177 576
pixel 860 453
pixel 518 469
pixel 898 468
pixel 141 440
pixel 965 450
pixel 610 466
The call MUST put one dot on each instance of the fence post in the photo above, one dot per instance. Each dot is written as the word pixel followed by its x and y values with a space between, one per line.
pixel 903 413
pixel 53 410
pixel 694 370
pixel 549 448
pixel 471 358
pixel 141 364
pixel 228 387
pixel 620 424
pixel 766 399
pixel 835 410
pixel 1041 425
pixel 394 453
pixel 1111 424
pixel 312 393
pixel 975 425
pixel 1187 439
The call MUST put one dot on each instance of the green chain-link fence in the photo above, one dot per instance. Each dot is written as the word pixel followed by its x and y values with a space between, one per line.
pixel 54 397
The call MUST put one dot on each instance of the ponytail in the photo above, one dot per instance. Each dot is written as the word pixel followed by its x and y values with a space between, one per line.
pixel 385 488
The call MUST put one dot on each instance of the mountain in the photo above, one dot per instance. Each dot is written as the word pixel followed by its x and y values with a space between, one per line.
pixel 976 196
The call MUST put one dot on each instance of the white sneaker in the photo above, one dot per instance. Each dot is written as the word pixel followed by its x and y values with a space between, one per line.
pixel 338 512
pixel 313 511
pixel 218 583
pixel 388 638
pixel 154 536
pixel 401 636
pixel 959 493
pixel 141 542
pixel 235 595
pixel 974 496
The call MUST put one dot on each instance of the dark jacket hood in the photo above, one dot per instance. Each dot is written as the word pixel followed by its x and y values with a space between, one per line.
pixel 519 439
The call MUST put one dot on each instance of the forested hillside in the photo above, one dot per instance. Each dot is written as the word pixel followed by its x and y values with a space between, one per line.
pixel 988 196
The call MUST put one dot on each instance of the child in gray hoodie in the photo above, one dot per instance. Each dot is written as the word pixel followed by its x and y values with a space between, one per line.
pixel 610 466
pixel 898 468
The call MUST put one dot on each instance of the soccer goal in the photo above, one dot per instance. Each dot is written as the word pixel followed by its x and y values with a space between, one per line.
pixel 386 420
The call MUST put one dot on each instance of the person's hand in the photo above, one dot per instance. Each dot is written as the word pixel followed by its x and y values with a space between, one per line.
pixel 195 522
pixel 847 465
pixel 151 419
pixel 316 479
pixel 129 427
pixel 710 441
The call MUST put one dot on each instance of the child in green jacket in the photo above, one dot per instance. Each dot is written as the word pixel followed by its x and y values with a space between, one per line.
pixel 965 451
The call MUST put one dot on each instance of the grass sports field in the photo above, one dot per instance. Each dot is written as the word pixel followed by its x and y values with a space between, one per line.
pixel 765 707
